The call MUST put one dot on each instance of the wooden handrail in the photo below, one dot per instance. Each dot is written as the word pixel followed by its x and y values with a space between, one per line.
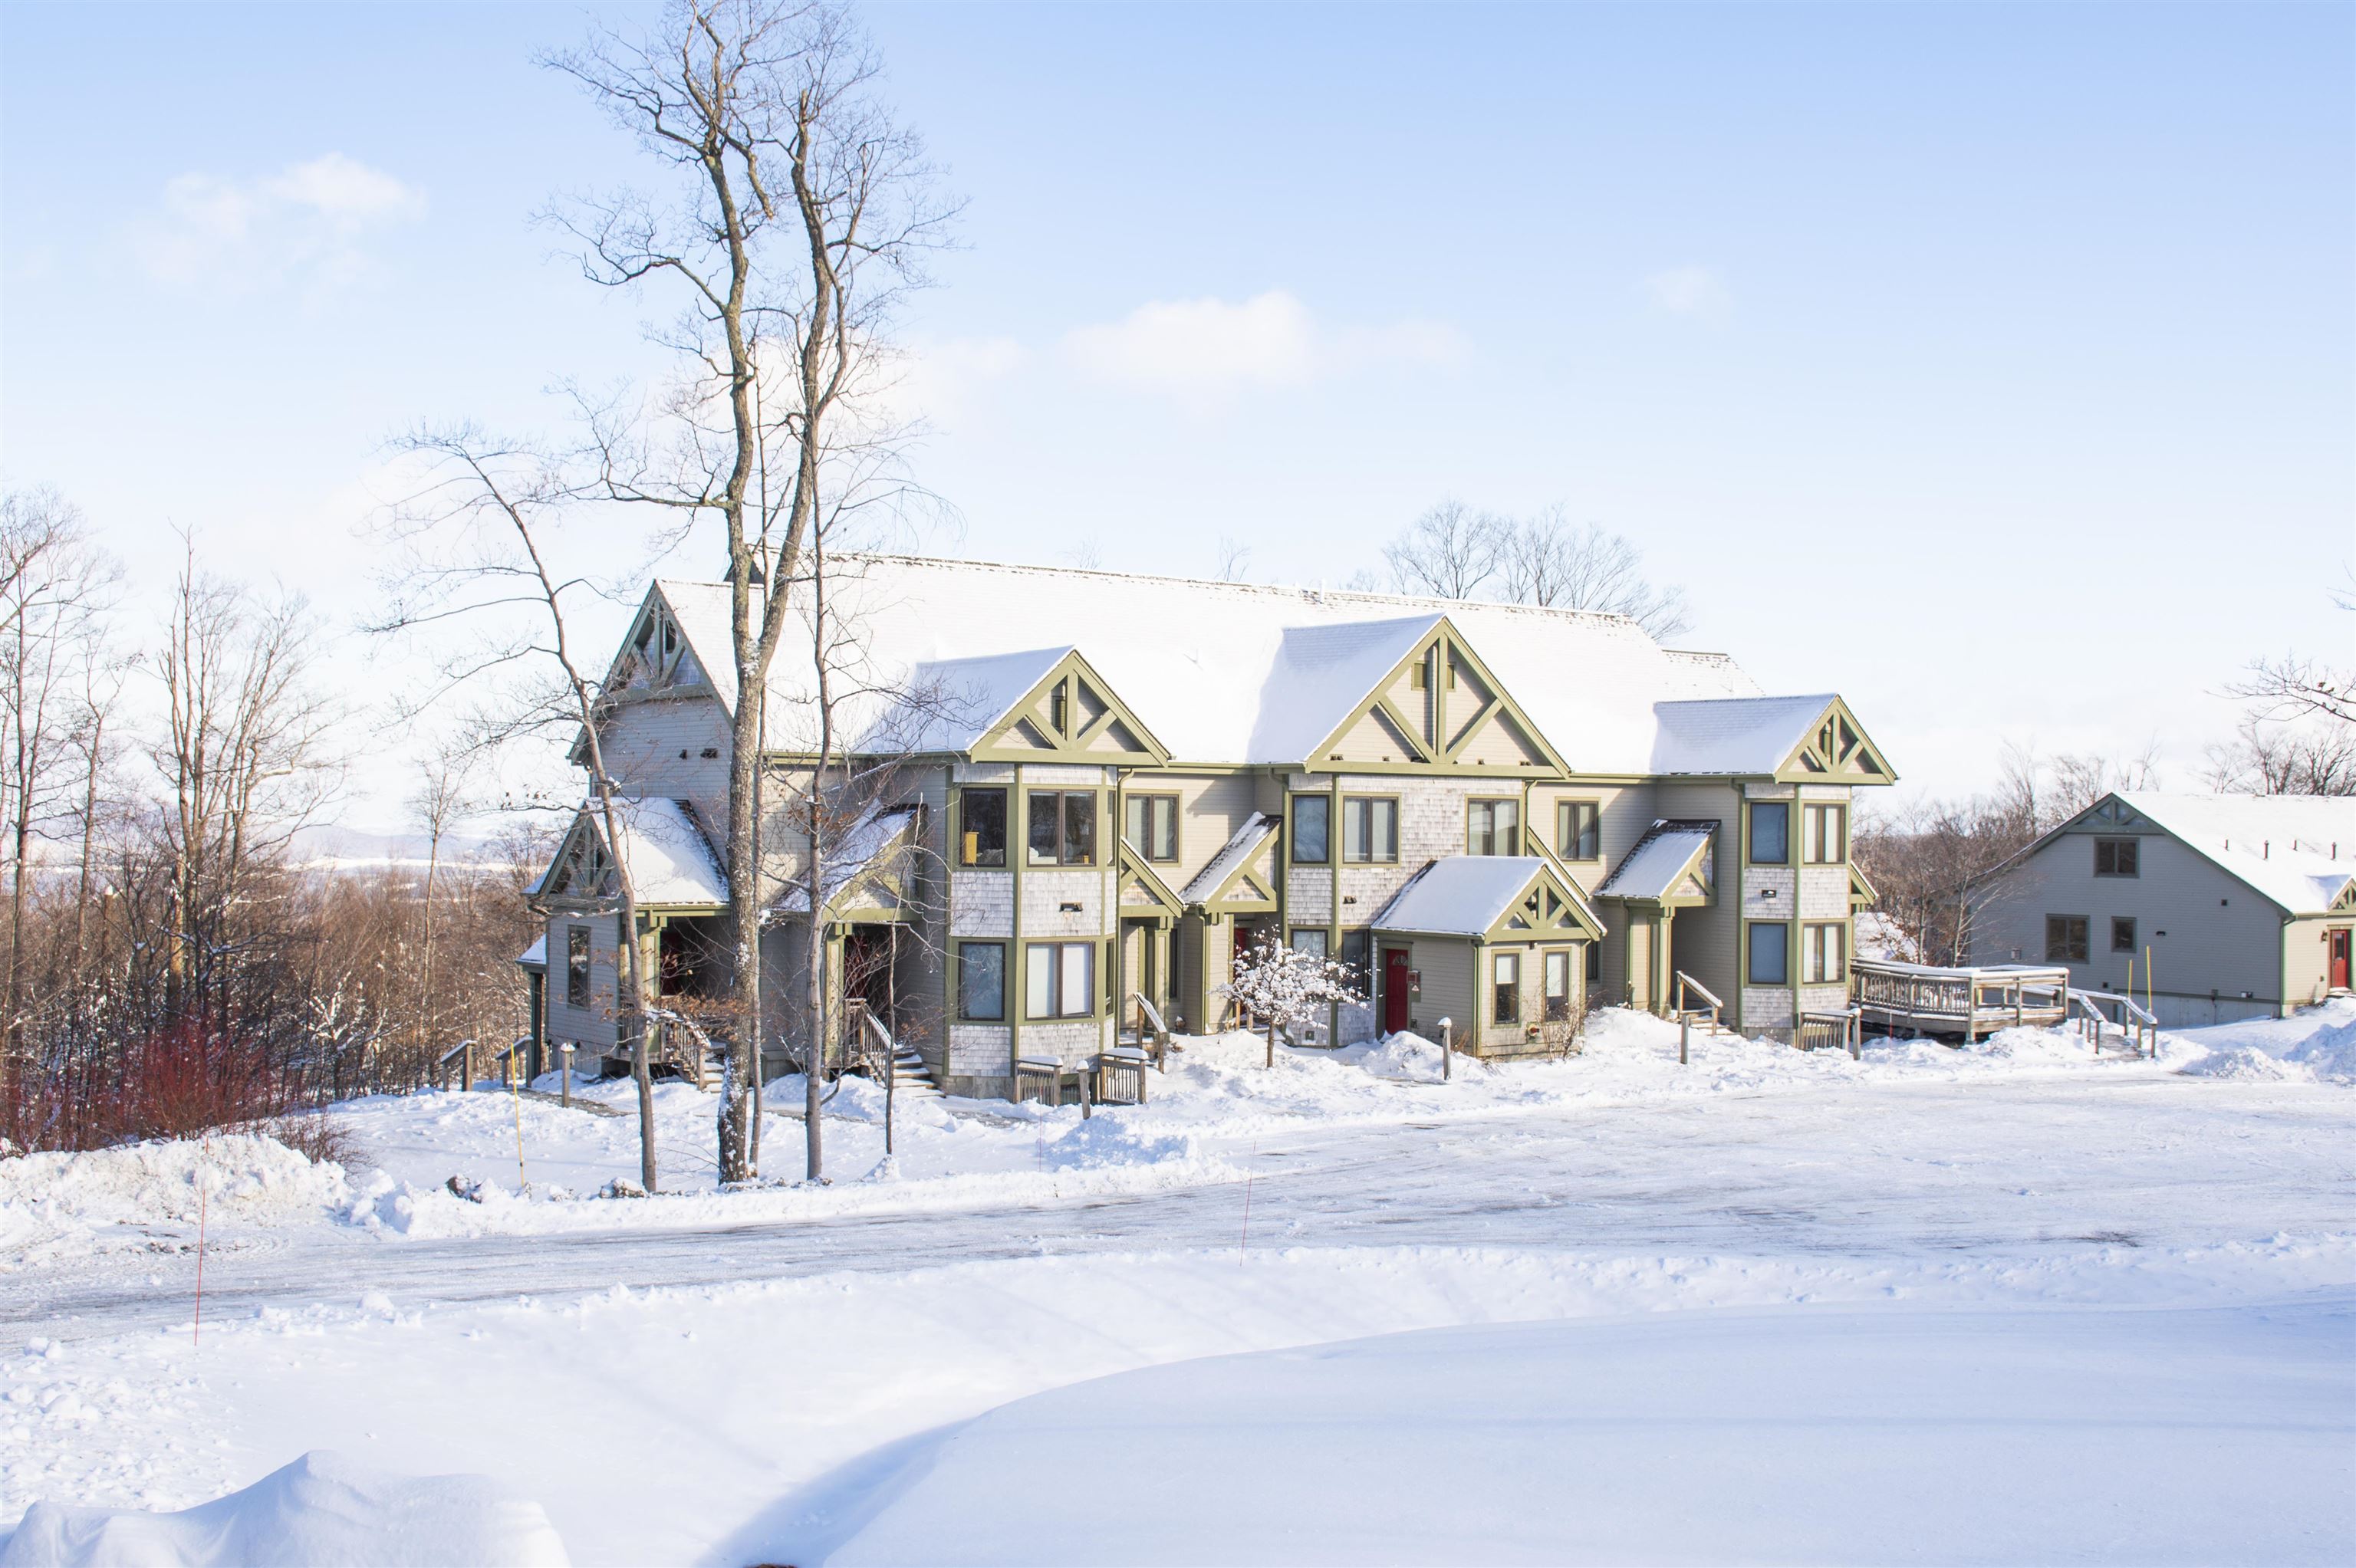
pixel 1688 983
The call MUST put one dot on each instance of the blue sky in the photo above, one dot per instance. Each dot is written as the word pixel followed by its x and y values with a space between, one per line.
pixel 1994 365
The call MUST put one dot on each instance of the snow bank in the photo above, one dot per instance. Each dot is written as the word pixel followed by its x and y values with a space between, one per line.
pixel 2316 1045
pixel 1797 1435
pixel 322 1509
pixel 53 1200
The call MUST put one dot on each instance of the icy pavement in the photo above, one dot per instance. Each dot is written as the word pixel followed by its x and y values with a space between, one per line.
pixel 750 1359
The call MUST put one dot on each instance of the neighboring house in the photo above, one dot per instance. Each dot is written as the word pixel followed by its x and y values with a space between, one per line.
pixel 2228 906
pixel 1080 793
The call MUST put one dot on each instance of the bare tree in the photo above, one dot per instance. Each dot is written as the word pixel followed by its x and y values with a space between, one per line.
pixel 477 548
pixel 246 759
pixel 796 222
pixel 440 801
pixel 1233 559
pixel 1450 551
pixel 54 588
pixel 1547 560
pixel 2314 758
pixel 851 814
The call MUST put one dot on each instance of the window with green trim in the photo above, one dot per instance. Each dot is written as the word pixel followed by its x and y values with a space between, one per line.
pixel 1824 953
pixel 1506 987
pixel 981 981
pixel 982 827
pixel 1770 832
pixel 1770 958
pixel 1579 830
pixel 1312 837
pixel 1369 830
pixel 1824 833
pixel 1151 824
pixel 1492 828
pixel 1063 827
pixel 1060 979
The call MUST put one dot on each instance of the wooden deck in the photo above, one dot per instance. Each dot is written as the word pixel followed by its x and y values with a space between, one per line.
pixel 1917 998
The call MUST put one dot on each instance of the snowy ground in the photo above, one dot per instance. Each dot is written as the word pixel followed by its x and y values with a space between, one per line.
pixel 769 1375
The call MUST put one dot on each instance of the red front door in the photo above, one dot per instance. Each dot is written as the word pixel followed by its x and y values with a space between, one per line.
pixel 2339 959
pixel 1394 1007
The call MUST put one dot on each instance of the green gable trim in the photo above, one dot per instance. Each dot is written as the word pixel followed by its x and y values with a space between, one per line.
pixel 1838 750
pixel 1439 745
pixel 1547 910
pixel 1053 722
pixel 1161 900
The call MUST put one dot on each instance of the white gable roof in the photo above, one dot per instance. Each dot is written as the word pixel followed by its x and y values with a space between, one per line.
pixel 1232 672
pixel 1461 895
pixel 948 705
pixel 1743 735
pixel 2298 850
pixel 1651 870
pixel 1232 855
pixel 669 861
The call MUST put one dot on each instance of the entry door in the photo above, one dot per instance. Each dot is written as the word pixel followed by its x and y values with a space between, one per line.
pixel 1395 998
pixel 2339 959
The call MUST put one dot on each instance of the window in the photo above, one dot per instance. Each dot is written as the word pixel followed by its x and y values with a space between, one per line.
pixel 576 966
pixel 1770 962
pixel 2118 857
pixel 982 827
pixel 2065 939
pixel 1576 832
pixel 1353 957
pixel 1594 963
pixel 1492 828
pixel 1557 986
pixel 981 981
pixel 2122 935
pixel 1770 832
pixel 1506 982
pixel 1063 827
pixel 1061 979
pixel 1824 835
pixel 1369 830
pixel 1308 939
pixel 1152 827
pixel 1824 954
pixel 1312 843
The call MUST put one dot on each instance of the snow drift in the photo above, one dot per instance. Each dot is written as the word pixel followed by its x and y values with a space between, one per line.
pixel 321 1511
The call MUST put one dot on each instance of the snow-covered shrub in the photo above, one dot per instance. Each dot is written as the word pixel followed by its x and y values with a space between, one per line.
pixel 1284 987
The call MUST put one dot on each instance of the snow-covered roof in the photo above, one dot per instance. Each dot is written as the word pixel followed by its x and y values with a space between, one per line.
pixel 1738 735
pixel 1234 672
pixel 874 839
pixel 1238 851
pixel 2298 850
pixel 948 705
pixel 1459 895
pixel 536 956
pixel 669 861
pixel 1651 870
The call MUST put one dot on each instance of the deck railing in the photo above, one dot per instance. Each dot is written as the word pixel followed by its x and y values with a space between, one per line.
pixel 2139 1029
pixel 1965 1001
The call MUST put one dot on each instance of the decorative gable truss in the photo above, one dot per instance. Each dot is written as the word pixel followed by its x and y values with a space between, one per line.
pixel 1439 709
pixel 581 875
pixel 1549 910
pixel 1673 866
pixel 1241 877
pixel 1070 716
pixel 1861 895
pixel 655 658
pixel 1836 751
pixel 1143 894
pixel 2346 902
pixel 2111 812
